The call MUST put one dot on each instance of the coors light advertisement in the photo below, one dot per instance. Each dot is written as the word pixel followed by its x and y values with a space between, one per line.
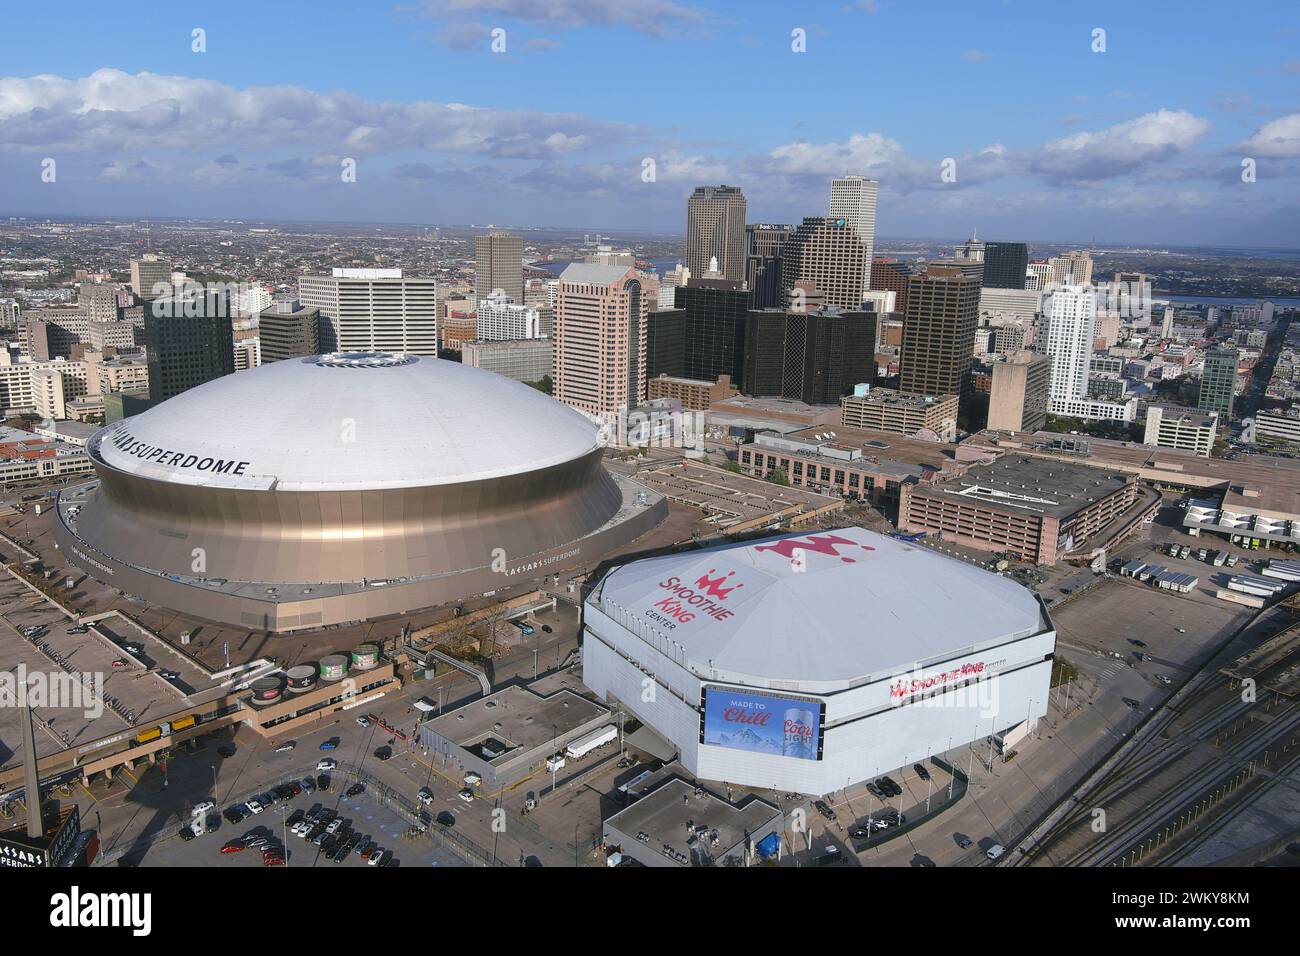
pixel 781 726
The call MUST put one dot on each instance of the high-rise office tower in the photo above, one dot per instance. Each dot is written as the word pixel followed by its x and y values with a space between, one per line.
pixel 373 310
pixel 939 332
pixel 1021 386
pixel 1218 382
pixel 715 227
pixel 670 282
pixel 148 273
pixel 828 253
pixel 1070 316
pixel 714 331
pixel 189 340
pixel 665 343
pixel 498 265
pixel 763 265
pixel 498 318
pixel 891 275
pixel 972 250
pixel 288 329
pixel 601 315
pixel 99 302
pixel 1005 265
pixel 1073 268
pixel 813 357
pixel 1038 275
pixel 854 198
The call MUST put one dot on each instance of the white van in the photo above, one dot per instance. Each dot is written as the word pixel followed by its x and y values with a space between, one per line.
pixel 995 851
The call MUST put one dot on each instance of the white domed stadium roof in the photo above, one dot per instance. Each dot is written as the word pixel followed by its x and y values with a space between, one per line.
pixel 348 421
pixel 820 610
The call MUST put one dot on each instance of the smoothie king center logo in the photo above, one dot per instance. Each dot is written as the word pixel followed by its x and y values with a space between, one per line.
pixel 795 550
pixel 707 596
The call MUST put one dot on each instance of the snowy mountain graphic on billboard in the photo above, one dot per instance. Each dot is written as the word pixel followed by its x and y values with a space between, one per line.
pixel 745 739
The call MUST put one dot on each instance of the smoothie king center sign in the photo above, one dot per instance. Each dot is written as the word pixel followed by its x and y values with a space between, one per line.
pixel 743 720
pixel 678 601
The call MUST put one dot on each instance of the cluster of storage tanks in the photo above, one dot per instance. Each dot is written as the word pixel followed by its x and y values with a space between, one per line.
pixel 304 677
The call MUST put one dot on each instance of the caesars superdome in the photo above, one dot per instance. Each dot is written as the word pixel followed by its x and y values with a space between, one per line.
pixel 343 487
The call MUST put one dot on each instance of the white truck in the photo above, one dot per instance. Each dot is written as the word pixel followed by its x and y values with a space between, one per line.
pixel 589 742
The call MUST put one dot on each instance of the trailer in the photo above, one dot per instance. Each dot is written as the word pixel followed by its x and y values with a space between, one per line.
pixel 1253 584
pixel 1283 570
pixel 589 742
pixel 1236 597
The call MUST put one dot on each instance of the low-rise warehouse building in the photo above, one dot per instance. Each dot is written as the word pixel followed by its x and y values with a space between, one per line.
pixel 508 736
pixel 681 824
pixel 1035 509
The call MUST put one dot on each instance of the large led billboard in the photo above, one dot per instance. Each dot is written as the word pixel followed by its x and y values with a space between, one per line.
pixel 761 723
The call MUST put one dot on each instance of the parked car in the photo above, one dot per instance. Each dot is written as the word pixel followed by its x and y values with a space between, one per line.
pixel 425 796
pixel 995 851
pixel 285 747
pixel 233 815
pixel 384 753
pixel 1163 679
pixel 254 806
pixel 308 785
pixel 546 629
pixel 355 789
pixel 233 846
pixel 323 782
pixel 467 795
pixel 965 842
pixel 377 858
pixel 331 744
pixel 120 663
pixel 168 675
pixel 821 807
pixel 326 764
pixel 187 834
pixel 921 771
pixel 1136 643
pixel 203 806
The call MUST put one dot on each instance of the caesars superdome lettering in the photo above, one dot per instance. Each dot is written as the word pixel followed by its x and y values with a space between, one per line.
pixel 128 444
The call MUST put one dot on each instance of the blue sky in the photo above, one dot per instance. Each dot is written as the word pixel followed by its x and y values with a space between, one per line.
pixel 1142 143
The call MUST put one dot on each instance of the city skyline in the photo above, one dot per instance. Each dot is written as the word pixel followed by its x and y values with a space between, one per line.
pixel 443 130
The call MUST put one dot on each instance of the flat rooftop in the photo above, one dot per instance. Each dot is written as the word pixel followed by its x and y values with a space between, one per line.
pixel 886 446
pixel 1253 483
pixel 517 717
pixel 660 820
pixel 1019 484
pixel 726 497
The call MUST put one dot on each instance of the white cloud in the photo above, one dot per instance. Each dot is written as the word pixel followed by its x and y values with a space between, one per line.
pixel 1123 148
pixel 1280 137
pixel 976 56
pixel 111 111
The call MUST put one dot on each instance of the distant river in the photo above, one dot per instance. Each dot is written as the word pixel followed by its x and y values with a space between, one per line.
pixel 1283 302
pixel 661 266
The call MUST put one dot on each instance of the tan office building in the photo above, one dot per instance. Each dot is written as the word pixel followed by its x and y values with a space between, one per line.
pixel 601 315
pixel 1019 393
pixel 885 410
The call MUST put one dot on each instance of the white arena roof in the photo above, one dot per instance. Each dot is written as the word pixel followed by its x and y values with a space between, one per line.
pixel 825 607
pixel 349 421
